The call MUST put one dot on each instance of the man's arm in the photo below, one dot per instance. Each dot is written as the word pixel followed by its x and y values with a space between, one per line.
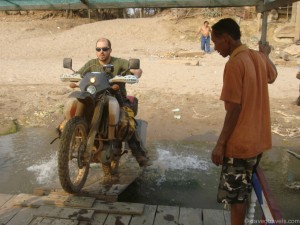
pixel 266 50
pixel 233 111
pixel 86 68
pixel 198 32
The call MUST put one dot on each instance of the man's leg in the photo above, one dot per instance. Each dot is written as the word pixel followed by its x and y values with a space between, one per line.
pixel 138 150
pixel 235 186
pixel 237 213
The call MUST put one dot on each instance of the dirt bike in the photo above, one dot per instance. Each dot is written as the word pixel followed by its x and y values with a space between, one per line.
pixel 90 132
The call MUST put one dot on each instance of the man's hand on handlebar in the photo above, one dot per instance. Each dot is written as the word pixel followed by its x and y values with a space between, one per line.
pixel 136 72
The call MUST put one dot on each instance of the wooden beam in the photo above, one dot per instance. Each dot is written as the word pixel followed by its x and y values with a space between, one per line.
pixel 263 7
pixel 297 23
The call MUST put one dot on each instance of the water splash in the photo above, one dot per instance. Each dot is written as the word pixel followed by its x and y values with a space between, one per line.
pixel 46 170
pixel 173 166
pixel 173 161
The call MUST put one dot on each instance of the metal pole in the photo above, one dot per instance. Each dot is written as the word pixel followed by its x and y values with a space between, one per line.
pixel 264 27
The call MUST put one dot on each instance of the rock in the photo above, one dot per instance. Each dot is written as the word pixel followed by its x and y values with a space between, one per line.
pixel 192 63
pixel 293 50
pixel 273 15
pixel 294 185
pixel 284 56
pixel 286 31
pixel 9 126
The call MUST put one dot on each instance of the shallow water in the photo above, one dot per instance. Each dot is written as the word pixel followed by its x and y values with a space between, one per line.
pixel 182 173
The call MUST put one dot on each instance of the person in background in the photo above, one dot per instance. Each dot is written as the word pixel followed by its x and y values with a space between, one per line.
pixel 246 132
pixel 205 31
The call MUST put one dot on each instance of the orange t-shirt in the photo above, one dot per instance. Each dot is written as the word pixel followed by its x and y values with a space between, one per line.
pixel 245 82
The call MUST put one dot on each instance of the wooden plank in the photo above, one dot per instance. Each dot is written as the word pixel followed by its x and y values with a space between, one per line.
pixel 8 210
pixel 52 221
pixel 4 198
pixel 99 218
pixel 28 200
pixel 24 216
pixel 6 214
pixel 118 208
pixel 167 215
pixel 146 218
pixel 115 219
pixel 65 213
pixel 213 217
pixel 190 216
pixel 103 189
pixel 68 200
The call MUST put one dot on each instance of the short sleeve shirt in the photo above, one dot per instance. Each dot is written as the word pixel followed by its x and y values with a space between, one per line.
pixel 120 65
pixel 245 82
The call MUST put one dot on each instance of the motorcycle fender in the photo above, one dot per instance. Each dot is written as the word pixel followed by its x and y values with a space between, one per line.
pixel 94 125
pixel 84 97
pixel 81 95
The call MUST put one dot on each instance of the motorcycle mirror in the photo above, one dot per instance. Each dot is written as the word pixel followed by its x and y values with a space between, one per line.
pixel 67 63
pixel 134 64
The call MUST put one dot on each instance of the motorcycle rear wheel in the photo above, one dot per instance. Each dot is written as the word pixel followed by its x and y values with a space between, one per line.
pixel 72 168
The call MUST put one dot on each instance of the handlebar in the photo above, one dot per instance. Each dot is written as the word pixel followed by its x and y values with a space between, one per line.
pixel 75 77
pixel 129 79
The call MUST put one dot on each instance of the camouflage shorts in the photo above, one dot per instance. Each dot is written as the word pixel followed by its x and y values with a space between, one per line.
pixel 235 180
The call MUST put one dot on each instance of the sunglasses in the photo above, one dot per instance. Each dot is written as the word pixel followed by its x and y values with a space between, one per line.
pixel 105 49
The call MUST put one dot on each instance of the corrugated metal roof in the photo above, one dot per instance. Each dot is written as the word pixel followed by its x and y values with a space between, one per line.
pixel 81 4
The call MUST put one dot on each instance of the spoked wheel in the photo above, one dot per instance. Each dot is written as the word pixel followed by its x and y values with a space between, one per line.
pixel 72 167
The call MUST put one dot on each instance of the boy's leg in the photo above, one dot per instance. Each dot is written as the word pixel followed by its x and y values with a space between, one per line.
pixel 207 44
pixel 202 43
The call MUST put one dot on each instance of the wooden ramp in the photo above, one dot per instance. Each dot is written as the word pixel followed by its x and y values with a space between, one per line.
pixel 107 189
pixel 55 209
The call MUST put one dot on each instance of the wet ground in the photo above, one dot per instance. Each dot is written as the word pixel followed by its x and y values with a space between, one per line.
pixel 182 173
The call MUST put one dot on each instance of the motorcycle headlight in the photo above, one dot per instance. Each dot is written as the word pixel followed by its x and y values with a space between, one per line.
pixel 91 89
pixel 93 80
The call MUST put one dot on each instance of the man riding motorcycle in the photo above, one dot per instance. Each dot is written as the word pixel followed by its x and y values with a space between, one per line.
pixel 103 51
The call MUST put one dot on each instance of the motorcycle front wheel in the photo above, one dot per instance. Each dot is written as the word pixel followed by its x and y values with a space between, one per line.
pixel 73 169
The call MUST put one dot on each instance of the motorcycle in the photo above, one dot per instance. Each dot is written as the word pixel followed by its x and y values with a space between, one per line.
pixel 90 134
